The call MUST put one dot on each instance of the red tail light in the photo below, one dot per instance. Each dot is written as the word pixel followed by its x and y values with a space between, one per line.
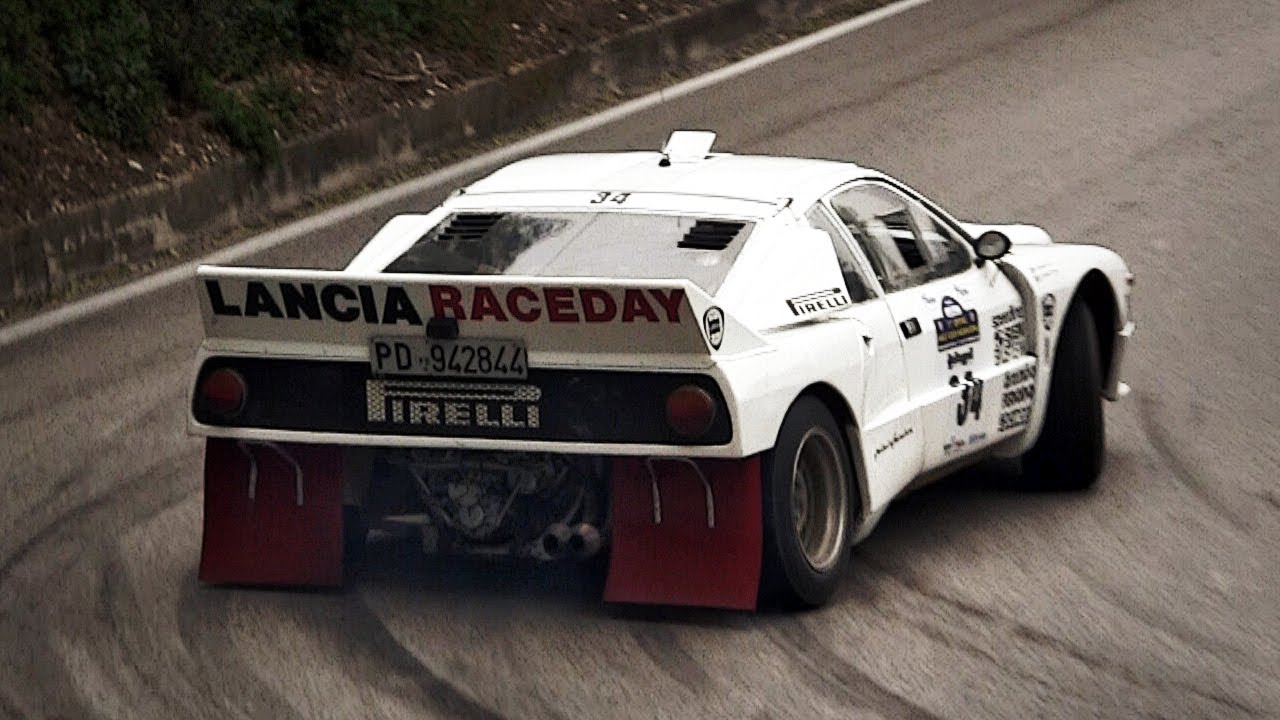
pixel 690 410
pixel 224 392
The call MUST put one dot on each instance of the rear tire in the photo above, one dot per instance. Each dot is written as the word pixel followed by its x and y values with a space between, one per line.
pixel 1069 453
pixel 807 486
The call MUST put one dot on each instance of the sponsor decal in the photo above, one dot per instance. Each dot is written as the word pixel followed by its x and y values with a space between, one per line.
pixel 959 357
pixel 1048 308
pixel 713 324
pixel 970 397
pixel 1016 400
pixel 957 326
pixel 957 443
pixel 897 437
pixel 1018 396
pixel 1014 419
pixel 1010 337
pixel 433 404
pixel 910 327
pixel 816 301
pixel 1019 376
pixel 961 290
pixel 393 305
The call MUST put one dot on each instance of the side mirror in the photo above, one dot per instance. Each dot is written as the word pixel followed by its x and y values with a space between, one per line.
pixel 991 245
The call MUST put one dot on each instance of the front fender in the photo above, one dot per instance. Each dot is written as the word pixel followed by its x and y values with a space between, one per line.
pixel 1049 277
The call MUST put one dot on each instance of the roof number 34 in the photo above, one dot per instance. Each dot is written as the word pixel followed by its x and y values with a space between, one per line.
pixel 615 198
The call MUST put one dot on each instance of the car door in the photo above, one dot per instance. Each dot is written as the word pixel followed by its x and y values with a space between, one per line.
pixel 892 445
pixel 961 324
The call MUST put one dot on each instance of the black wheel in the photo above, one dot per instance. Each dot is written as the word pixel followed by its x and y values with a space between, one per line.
pixel 807 487
pixel 1069 453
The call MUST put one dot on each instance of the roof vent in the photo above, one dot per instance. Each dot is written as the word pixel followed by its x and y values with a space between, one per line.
pixel 468 226
pixel 687 146
pixel 711 234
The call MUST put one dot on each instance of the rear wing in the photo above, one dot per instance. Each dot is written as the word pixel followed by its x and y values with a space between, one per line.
pixel 562 321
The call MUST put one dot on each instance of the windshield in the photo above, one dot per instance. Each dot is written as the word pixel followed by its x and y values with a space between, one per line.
pixel 579 244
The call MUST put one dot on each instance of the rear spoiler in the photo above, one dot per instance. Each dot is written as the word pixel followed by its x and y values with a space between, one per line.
pixel 563 321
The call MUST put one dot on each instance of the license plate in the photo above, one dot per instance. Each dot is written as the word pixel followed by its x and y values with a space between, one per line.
pixel 488 358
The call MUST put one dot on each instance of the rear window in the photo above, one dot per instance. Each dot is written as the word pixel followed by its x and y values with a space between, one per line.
pixel 579 244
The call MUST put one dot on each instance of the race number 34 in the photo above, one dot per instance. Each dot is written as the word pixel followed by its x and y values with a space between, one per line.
pixel 970 397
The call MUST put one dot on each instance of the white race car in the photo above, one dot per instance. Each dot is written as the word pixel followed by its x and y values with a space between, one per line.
pixel 715 371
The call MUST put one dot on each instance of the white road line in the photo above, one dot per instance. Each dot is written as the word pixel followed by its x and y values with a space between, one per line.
pixel 79 309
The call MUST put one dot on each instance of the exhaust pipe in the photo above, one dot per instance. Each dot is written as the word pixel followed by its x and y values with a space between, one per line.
pixel 555 540
pixel 585 541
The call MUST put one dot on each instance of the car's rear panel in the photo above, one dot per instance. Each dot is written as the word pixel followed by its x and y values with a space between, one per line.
pixel 317 351
pixel 560 405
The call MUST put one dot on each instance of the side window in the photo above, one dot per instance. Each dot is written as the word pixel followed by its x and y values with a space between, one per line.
pixel 868 211
pixel 898 223
pixel 853 280
pixel 905 244
pixel 947 255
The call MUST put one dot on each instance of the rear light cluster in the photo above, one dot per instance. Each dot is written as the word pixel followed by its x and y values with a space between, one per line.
pixel 224 393
pixel 690 411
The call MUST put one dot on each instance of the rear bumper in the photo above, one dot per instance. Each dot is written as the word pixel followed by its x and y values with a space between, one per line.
pixel 1113 389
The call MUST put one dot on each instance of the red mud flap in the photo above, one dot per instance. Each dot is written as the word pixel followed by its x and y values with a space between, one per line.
pixel 685 532
pixel 272 514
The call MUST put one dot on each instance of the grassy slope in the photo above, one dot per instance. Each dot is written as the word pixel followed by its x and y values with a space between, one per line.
pixel 122 63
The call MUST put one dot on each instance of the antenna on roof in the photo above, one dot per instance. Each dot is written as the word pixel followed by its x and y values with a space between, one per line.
pixel 687 146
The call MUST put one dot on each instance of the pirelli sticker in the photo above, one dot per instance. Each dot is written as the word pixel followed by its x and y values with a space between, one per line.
pixel 813 302
pixel 453 405
pixel 397 305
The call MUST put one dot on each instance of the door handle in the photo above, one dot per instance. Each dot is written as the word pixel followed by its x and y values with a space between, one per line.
pixel 867 342
pixel 910 327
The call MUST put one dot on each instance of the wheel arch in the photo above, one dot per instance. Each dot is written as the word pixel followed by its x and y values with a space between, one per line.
pixel 839 407
pixel 1095 291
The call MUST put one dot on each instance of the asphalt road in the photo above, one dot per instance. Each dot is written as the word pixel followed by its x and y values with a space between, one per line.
pixel 1149 126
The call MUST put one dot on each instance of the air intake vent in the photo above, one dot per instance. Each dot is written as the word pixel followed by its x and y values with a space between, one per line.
pixel 711 234
pixel 468 226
